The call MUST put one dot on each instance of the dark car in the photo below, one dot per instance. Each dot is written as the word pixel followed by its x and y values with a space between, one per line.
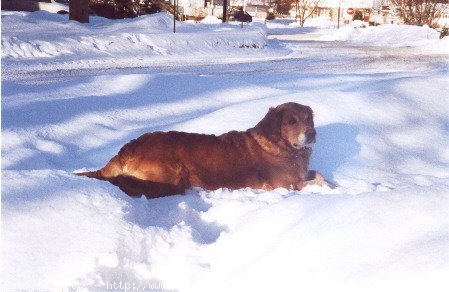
pixel 240 15
pixel 270 16
pixel 55 6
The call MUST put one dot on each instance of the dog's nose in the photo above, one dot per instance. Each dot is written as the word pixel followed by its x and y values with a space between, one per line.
pixel 310 135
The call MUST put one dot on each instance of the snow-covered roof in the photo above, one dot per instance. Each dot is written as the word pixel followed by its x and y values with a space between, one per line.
pixel 347 3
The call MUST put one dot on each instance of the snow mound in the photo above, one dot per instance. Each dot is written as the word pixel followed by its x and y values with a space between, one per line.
pixel 382 137
pixel 359 24
pixel 391 36
pixel 210 19
pixel 59 43
pixel 313 27
pixel 319 22
pixel 385 226
pixel 234 238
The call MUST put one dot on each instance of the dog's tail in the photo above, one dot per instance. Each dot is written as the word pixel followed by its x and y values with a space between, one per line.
pixel 110 171
pixel 98 174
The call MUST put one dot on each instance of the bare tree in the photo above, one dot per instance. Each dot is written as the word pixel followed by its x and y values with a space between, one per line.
pixel 79 10
pixel 116 8
pixel 420 11
pixel 284 6
pixel 272 4
pixel 305 8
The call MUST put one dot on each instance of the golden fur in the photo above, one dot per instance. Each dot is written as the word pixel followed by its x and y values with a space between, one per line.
pixel 275 153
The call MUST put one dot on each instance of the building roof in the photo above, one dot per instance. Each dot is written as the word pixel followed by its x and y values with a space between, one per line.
pixel 347 3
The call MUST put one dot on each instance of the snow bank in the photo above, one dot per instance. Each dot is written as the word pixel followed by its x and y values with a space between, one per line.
pixel 321 29
pixel 223 240
pixel 310 22
pixel 392 36
pixel 382 138
pixel 210 19
pixel 317 22
pixel 59 43
pixel 312 26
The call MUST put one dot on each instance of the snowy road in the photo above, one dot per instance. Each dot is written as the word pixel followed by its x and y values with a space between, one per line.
pixel 305 56
pixel 383 131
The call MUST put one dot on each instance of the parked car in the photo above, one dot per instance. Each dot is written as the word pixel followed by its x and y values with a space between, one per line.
pixel 240 15
pixel 270 16
pixel 444 32
pixel 54 6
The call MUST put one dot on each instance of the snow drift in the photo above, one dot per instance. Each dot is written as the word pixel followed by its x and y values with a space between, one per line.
pixel 59 43
pixel 386 226
pixel 382 137
pixel 396 36
pixel 393 35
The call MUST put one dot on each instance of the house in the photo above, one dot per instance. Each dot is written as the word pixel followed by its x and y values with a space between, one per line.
pixel 443 21
pixel 202 8
pixel 256 8
pixel 329 9
pixel 378 11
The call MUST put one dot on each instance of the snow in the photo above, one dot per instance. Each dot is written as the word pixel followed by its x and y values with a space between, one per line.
pixel 210 19
pixel 103 43
pixel 394 36
pixel 283 26
pixel 388 35
pixel 383 131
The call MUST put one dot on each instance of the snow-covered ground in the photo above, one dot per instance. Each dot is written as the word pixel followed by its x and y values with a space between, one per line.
pixel 383 125
pixel 57 43
pixel 422 37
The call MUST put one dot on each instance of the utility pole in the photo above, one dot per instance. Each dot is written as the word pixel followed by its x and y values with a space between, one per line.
pixel 79 10
pixel 338 17
pixel 243 14
pixel 175 7
pixel 225 10
pixel 296 11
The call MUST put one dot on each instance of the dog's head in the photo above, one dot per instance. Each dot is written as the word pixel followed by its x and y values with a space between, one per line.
pixel 291 123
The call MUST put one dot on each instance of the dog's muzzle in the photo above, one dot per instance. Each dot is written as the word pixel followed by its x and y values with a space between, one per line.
pixel 310 136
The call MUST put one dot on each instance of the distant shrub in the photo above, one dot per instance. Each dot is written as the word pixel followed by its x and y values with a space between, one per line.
pixel 270 16
pixel 151 6
pixel 358 15
pixel 117 9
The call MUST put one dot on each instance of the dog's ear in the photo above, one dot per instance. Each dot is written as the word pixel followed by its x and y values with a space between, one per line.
pixel 270 125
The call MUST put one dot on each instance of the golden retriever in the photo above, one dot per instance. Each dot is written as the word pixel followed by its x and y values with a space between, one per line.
pixel 275 153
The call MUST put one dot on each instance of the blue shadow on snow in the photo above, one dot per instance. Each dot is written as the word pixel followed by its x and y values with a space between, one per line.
pixel 336 144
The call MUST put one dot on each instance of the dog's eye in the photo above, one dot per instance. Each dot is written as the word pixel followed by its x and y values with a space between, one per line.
pixel 292 121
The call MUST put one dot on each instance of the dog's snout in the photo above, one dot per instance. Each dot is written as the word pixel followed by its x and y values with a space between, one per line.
pixel 310 135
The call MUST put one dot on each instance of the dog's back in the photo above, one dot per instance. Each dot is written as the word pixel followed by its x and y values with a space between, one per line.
pixel 153 162
pixel 275 153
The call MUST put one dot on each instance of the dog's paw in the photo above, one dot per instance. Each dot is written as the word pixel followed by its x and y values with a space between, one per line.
pixel 316 178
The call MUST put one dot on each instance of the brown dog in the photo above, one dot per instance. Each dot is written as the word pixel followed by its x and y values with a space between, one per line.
pixel 275 153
